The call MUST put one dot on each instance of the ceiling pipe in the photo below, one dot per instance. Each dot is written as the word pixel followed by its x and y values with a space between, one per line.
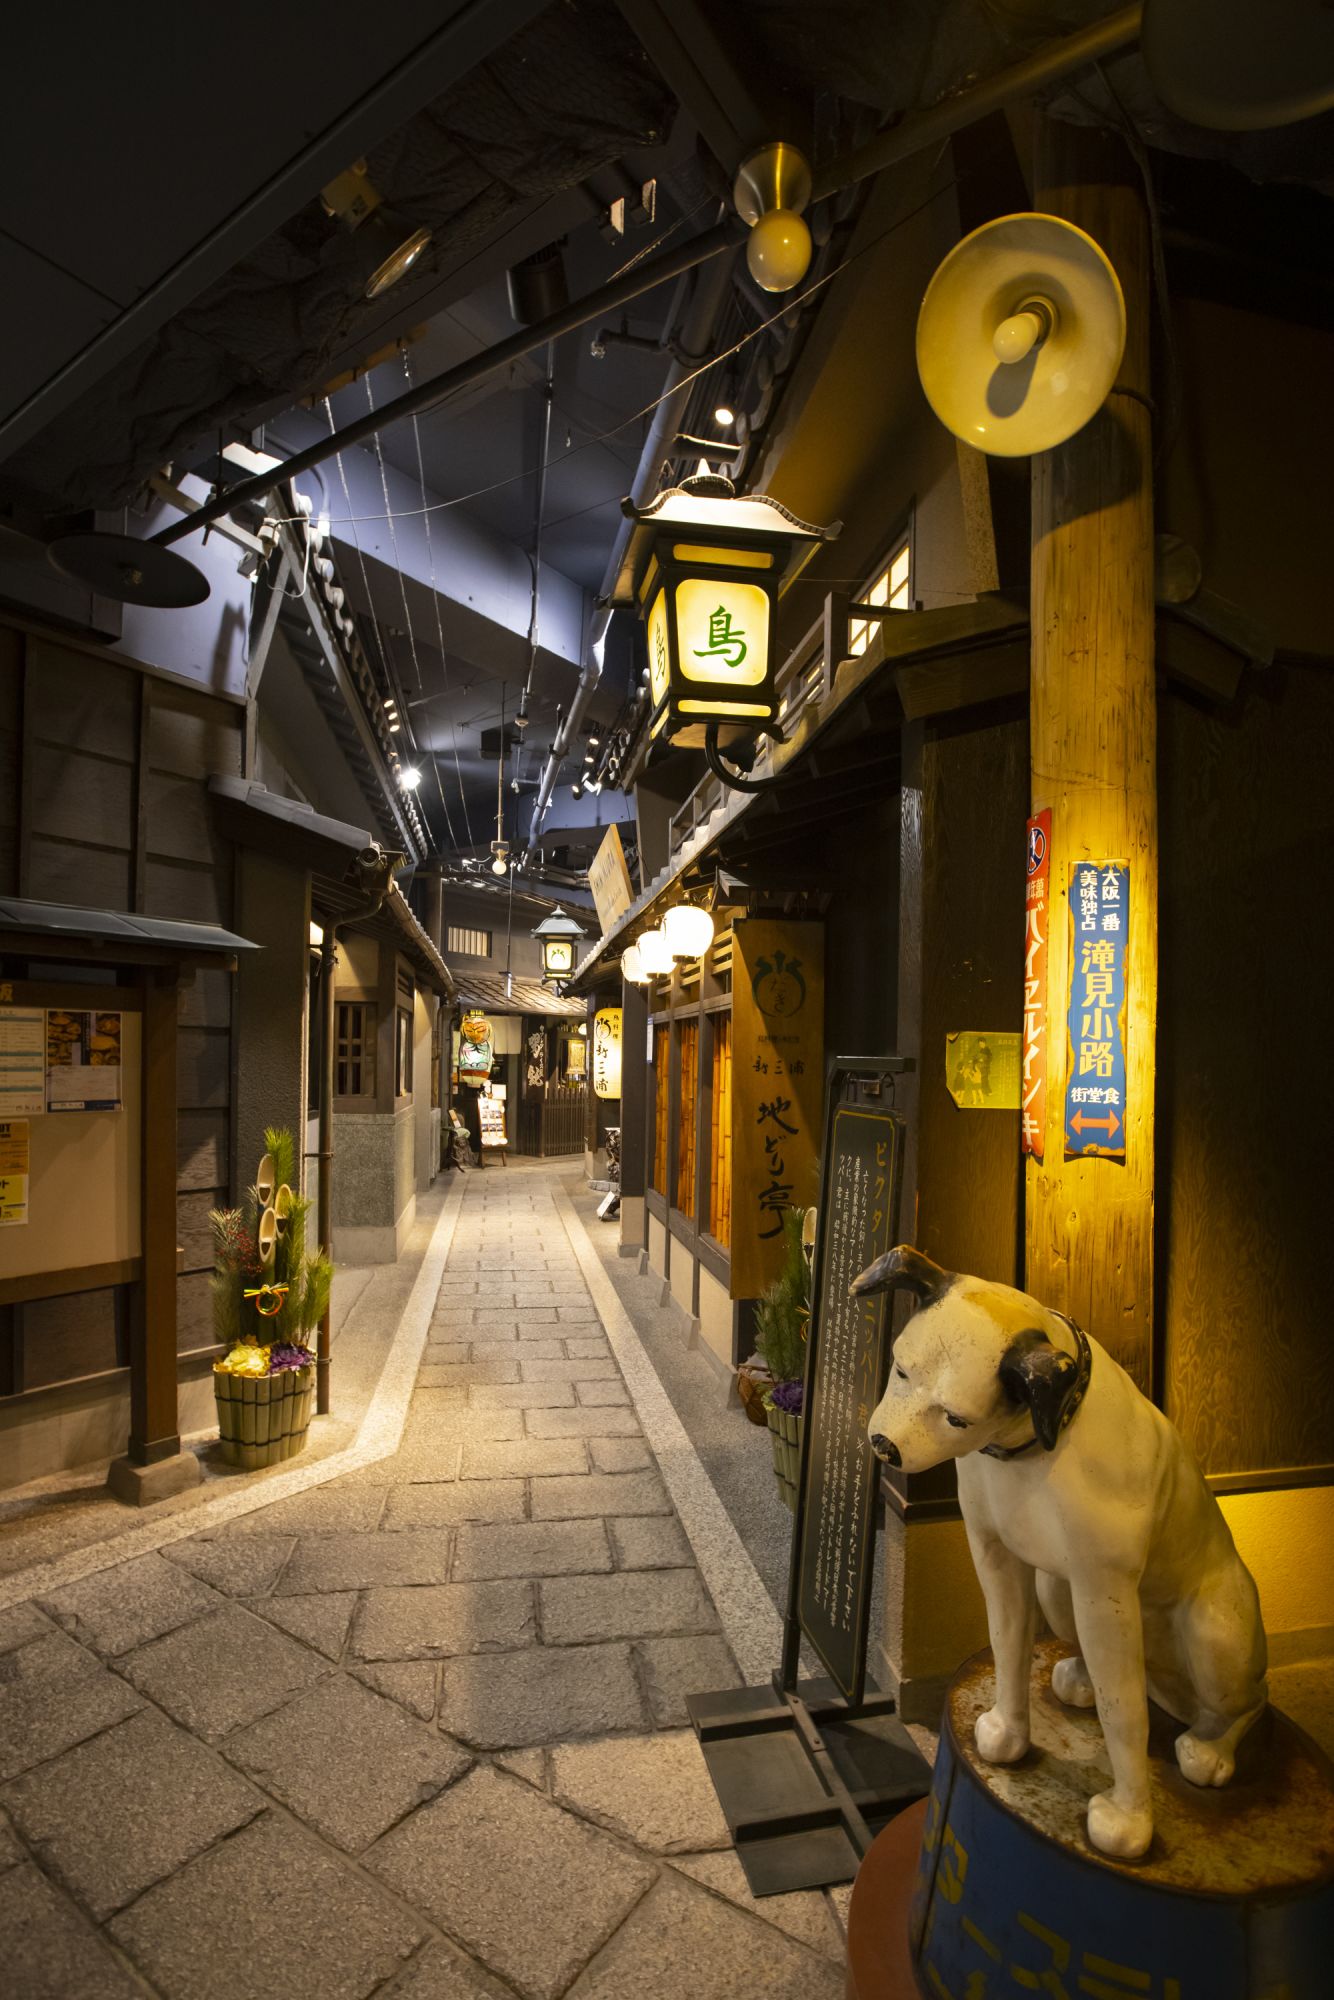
pixel 425 395
pixel 919 129
pixel 691 347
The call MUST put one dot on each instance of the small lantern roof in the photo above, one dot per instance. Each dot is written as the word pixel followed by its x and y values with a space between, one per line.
pixel 709 505
pixel 558 925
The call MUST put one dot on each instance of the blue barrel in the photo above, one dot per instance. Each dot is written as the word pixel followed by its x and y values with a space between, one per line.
pixel 1234 1900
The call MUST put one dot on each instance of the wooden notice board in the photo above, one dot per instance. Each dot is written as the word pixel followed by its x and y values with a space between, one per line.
pixel 847 1358
pixel 777 1087
pixel 609 880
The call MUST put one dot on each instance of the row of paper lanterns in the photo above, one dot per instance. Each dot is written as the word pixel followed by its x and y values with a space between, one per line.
pixel 686 933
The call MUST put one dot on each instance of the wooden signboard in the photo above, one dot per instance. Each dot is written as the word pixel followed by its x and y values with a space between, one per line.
pixel 847 1358
pixel 777 1086
pixel 609 880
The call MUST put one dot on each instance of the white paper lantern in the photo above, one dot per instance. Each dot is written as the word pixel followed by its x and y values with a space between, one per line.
pixel 655 954
pixel 688 931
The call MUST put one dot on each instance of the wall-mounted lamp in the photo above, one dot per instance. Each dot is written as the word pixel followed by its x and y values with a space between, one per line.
pixel 655 954
pixel 688 931
pixel 390 243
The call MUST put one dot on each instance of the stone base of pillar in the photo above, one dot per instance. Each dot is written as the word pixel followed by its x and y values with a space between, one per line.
pixel 142 1485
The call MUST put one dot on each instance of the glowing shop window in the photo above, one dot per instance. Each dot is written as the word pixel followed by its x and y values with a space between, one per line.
pixel 890 587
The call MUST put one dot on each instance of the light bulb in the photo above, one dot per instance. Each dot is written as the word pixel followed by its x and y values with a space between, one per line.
pixel 499 865
pixel 654 953
pixel 778 254
pixel 688 931
pixel 1017 336
pixel 724 416
pixel 409 777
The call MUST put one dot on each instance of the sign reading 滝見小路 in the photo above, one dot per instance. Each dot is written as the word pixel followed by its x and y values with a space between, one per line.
pixel 1095 1088
pixel 777 1086
pixel 848 1353
pixel 1037 931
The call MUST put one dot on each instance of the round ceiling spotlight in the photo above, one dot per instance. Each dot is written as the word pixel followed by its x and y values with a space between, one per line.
pixel 409 777
pixel 724 416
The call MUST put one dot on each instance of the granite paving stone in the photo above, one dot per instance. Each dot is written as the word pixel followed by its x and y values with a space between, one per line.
pixel 321 1931
pixel 531 1548
pixel 358 1562
pixel 10 1851
pixel 117 1609
pixel 804 1915
pixel 681 1943
pixel 619 1455
pixel 21 1624
pixel 632 1604
pixel 587 1347
pixel 603 1391
pixel 672 1669
pixel 320 1622
pixel 333 1509
pixel 245 1566
pixel 183 1800
pixel 541 1695
pixel 540 1348
pixel 599 1493
pixel 53 1694
pixel 222 1671
pixel 51 1952
pixel 465 1373
pixel 441 1506
pixel 413 1684
pixel 524 1886
pixel 581 1423
pixel 576 1313
pixel 441 1363
pixel 532 1458
pixel 439 1620
pixel 522 1395
pixel 658 1543
pixel 653 1790
pixel 561 1368
pixel 485 1422
pixel 386 1765
pixel 441 1973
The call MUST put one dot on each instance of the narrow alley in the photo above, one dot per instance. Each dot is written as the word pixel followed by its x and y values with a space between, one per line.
pixel 417 1730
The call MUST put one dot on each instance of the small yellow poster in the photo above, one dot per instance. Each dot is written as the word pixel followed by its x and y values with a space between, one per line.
pixel 13 1171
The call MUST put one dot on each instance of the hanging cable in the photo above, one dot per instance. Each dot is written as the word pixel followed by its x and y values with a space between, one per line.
pixel 439 627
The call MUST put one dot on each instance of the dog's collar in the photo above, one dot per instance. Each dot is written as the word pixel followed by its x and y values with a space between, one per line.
pixel 1084 1357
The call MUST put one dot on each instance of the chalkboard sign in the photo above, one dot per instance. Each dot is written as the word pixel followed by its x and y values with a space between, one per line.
pixel 846 1361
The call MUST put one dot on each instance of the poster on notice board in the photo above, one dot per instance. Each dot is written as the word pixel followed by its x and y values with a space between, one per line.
pixel 14 1170
pixel 83 1060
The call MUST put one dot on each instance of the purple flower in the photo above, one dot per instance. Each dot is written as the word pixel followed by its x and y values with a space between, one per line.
pixel 788 1396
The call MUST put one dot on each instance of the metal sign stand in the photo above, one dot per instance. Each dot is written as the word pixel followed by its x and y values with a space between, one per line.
pixel 807 1773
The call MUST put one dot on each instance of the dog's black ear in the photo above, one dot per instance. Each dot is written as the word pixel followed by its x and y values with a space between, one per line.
pixel 1034 1372
pixel 907 1269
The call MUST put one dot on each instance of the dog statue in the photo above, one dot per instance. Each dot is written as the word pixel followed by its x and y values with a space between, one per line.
pixel 1071 1481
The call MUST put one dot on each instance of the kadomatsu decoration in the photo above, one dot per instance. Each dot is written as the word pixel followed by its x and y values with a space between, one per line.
pixel 268 1296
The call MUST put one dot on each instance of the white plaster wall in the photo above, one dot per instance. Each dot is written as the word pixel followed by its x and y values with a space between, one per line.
pixel 715 1316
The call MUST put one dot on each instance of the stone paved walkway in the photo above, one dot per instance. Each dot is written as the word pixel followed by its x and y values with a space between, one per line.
pixel 415 1733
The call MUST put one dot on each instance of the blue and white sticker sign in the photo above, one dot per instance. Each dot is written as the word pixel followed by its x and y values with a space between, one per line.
pixel 1095 1086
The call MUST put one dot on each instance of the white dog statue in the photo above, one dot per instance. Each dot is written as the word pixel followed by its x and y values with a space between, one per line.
pixel 1077 1491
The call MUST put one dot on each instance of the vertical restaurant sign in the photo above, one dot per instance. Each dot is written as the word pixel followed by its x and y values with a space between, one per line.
pixel 609 880
pixel 777 1088
pixel 1095 1089
pixel 1037 931
pixel 607 1052
pixel 14 1171
pixel 845 1375
pixel 576 1059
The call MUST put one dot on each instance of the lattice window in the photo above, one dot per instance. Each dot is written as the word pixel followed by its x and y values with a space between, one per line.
pixel 467 943
pixel 893 586
pixel 660 1049
pixel 403 1053
pixel 720 1133
pixel 685 1159
pixel 354 1048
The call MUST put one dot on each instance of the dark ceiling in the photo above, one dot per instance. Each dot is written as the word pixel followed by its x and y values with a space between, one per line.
pixel 178 280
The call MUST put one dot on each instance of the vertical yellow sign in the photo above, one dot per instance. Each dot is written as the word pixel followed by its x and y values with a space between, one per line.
pixel 777 1088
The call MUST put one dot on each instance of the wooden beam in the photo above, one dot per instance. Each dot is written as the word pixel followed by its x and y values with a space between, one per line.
pixel 1093 733
pixel 153 1419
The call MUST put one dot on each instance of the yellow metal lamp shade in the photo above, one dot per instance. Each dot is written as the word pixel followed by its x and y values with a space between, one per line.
pixel 688 931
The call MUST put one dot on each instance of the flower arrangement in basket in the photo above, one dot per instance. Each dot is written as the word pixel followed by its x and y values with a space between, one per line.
pixel 781 1321
pixel 268 1296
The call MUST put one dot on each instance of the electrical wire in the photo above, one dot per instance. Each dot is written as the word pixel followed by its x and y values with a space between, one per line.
pixel 439 625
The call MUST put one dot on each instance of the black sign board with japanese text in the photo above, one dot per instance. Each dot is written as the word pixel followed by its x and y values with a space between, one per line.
pixel 829 1594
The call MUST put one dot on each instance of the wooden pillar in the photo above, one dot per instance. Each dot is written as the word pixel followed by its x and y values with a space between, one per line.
pixel 153 1420
pixel 1093 717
